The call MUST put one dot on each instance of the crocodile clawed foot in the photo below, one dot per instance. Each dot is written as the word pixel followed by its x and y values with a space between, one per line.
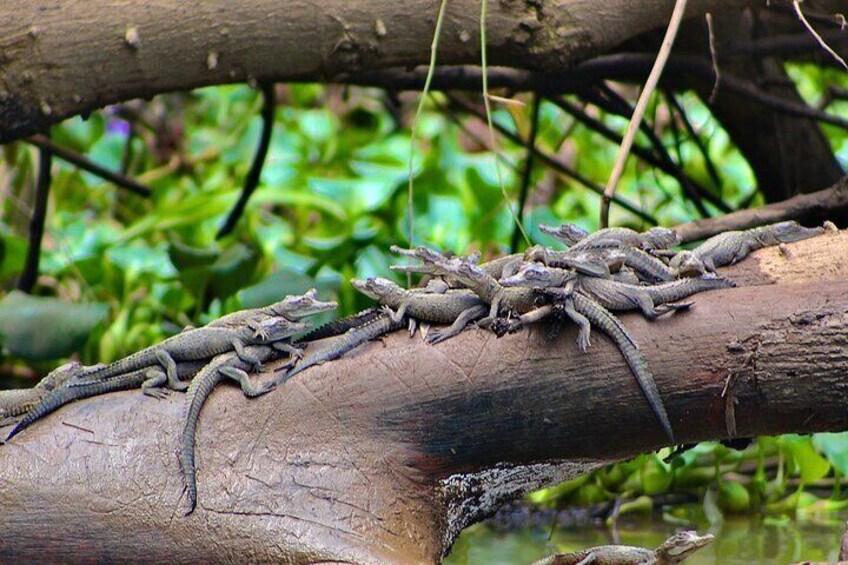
pixel 156 392
pixel 674 306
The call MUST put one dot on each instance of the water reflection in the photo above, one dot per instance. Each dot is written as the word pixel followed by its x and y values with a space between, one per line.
pixel 739 540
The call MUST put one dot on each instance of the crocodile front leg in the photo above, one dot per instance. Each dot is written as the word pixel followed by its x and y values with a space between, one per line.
pixel 465 318
pixel 253 360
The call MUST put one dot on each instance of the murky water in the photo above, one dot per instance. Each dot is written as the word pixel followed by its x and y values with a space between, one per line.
pixel 750 540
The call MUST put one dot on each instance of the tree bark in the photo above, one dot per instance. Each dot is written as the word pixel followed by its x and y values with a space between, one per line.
pixel 64 59
pixel 384 456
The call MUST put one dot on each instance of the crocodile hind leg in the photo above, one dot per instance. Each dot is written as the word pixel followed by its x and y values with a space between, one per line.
pixel 465 318
pixel 164 358
pixel 248 387
pixel 154 383
pixel 585 331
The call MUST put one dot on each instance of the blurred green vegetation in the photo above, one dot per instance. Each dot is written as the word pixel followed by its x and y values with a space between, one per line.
pixel 332 198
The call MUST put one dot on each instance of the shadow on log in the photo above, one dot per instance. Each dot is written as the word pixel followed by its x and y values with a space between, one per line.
pixel 384 456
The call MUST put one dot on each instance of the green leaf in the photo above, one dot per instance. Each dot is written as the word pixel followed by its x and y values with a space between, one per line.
pixel 184 256
pixel 355 195
pixel 13 256
pixel 39 329
pixel 234 269
pixel 811 465
pixel 834 446
pixel 277 285
pixel 656 476
pixel 733 497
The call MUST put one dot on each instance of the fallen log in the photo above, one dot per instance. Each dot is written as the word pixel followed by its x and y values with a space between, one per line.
pixel 384 456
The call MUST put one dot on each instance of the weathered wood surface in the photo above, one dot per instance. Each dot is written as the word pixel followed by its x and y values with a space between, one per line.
pixel 381 457
pixel 141 49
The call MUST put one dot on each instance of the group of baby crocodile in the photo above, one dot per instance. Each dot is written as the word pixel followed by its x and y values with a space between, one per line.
pixel 609 270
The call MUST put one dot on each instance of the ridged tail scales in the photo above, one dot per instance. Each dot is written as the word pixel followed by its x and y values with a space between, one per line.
pixel 227 365
pixel 148 377
pixel 677 290
pixel 616 331
pixel 340 326
pixel 373 328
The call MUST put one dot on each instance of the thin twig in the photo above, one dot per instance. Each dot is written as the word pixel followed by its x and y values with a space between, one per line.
pixel 527 172
pixel 684 117
pixel 797 5
pixel 714 57
pixel 663 162
pixel 36 223
pixel 695 192
pixel 641 105
pixel 449 112
pixel 251 181
pixel 86 164
pixel 552 161
pixel 434 47
pixel 487 105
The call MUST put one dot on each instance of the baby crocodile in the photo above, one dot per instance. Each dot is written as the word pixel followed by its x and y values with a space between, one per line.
pixel 615 295
pixel 481 283
pixel 19 401
pixel 292 307
pixel 151 379
pixel 654 238
pixel 672 551
pixel 370 328
pixel 731 247
pixel 190 345
pixel 455 307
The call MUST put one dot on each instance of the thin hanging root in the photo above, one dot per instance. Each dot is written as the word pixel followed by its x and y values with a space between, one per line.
pixel 797 5
pixel 434 47
pixel 486 102
pixel 639 111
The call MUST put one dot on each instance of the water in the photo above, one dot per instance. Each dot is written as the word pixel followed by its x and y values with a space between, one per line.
pixel 750 540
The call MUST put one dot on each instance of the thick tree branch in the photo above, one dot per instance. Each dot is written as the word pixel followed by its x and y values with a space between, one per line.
pixel 383 456
pixel 49 49
pixel 809 209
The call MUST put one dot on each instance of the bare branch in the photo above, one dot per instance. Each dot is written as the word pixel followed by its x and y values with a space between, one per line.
pixel 552 161
pixel 641 105
pixel 36 223
pixel 251 181
pixel 87 165
pixel 796 4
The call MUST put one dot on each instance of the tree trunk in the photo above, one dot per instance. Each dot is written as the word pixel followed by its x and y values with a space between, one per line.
pixel 384 456
pixel 69 58
pixel 788 154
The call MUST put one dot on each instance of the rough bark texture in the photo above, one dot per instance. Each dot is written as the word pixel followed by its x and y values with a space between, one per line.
pixel 68 58
pixel 383 456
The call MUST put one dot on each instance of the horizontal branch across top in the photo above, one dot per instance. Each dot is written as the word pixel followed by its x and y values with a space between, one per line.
pixel 137 50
